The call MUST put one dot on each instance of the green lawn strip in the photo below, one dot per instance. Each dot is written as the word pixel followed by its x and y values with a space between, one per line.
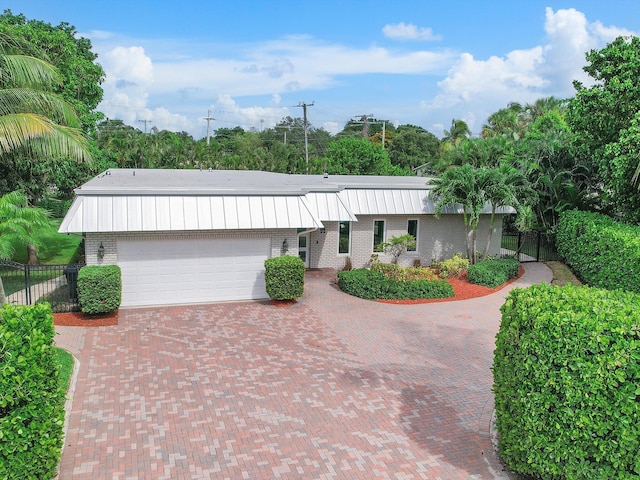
pixel 65 360
pixel 562 275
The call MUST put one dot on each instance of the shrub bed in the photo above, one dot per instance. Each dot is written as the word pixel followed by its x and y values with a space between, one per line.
pixel 31 400
pixel 566 382
pixel 603 253
pixel 453 266
pixel 99 289
pixel 493 273
pixel 284 277
pixel 373 285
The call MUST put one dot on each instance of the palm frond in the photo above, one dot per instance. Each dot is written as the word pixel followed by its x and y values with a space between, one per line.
pixel 39 135
pixel 26 71
pixel 25 100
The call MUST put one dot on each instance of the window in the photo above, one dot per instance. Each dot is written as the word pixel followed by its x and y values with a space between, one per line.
pixel 344 237
pixel 412 229
pixel 378 235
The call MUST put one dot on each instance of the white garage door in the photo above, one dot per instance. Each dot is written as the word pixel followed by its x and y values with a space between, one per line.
pixel 164 272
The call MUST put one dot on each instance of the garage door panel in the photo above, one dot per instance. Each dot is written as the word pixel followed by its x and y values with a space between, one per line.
pixel 160 272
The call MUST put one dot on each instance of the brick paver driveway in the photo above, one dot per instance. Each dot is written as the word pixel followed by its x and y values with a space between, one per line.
pixel 331 387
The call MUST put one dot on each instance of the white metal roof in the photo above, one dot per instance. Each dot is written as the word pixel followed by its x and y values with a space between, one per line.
pixel 329 206
pixel 147 213
pixel 130 200
pixel 398 202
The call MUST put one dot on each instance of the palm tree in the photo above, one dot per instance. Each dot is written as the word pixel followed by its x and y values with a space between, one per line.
pixel 18 221
pixel 33 121
pixel 464 185
pixel 459 131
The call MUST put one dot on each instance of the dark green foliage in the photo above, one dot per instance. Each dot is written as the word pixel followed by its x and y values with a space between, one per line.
pixel 284 277
pixel 372 285
pixel 566 382
pixel 99 288
pixel 493 273
pixel 31 401
pixel 603 253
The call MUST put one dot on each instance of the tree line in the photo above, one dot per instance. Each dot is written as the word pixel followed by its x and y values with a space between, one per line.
pixel 556 154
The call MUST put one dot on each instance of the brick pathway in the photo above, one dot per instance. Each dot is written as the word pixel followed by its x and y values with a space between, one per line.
pixel 333 387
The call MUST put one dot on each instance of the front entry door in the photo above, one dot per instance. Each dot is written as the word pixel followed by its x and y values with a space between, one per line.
pixel 303 249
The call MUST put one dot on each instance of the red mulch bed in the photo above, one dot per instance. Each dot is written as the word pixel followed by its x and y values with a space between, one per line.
pixel 79 319
pixel 463 289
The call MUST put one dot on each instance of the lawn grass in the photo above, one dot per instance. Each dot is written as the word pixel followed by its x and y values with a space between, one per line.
pixel 65 360
pixel 55 248
pixel 562 275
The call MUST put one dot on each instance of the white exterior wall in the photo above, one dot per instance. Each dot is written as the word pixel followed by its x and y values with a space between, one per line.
pixel 438 239
pixel 110 241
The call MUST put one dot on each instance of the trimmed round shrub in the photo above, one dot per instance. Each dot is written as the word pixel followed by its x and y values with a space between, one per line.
pixel 99 289
pixel 567 383
pixel 284 277
pixel 374 285
pixel 493 273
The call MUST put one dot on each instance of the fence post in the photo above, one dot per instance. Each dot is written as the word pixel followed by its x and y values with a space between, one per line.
pixel 538 247
pixel 27 283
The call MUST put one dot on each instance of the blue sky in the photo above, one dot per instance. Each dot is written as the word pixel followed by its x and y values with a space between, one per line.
pixel 251 62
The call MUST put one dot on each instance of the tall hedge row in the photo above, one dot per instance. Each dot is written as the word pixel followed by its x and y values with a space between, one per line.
pixel 567 383
pixel 603 253
pixel 31 402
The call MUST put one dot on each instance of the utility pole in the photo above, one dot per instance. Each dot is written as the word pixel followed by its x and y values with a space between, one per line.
pixel 364 120
pixel 306 130
pixel 208 118
pixel 145 124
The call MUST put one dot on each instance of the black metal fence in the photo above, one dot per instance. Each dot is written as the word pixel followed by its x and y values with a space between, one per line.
pixel 29 284
pixel 530 246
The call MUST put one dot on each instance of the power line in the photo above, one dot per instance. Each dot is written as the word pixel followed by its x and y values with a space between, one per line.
pixel 208 118
pixel 145 124
pixel 306 129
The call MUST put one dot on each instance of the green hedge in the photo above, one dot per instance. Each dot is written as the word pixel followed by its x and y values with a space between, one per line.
pixel 372 285
pixel 493 273
pixel 31 401
pixel 99 289
pixel 602 252
pixel 567 383
pixel 284 277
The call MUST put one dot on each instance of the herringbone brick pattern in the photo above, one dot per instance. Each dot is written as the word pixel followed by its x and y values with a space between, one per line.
pixel 332 387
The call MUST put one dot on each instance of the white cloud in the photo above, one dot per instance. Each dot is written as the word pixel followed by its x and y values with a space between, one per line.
pixel 409 31
pixel 475 88
pixel 332 127
pixel 257 117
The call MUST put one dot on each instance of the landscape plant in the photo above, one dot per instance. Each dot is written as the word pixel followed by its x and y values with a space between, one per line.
pixel 372 285
pixel 396 246
pixel 99 289
pixel 603 253
pixel 453 267
pixel 284 277
pixel 31 400
pixel 493 272
pixel 566 374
